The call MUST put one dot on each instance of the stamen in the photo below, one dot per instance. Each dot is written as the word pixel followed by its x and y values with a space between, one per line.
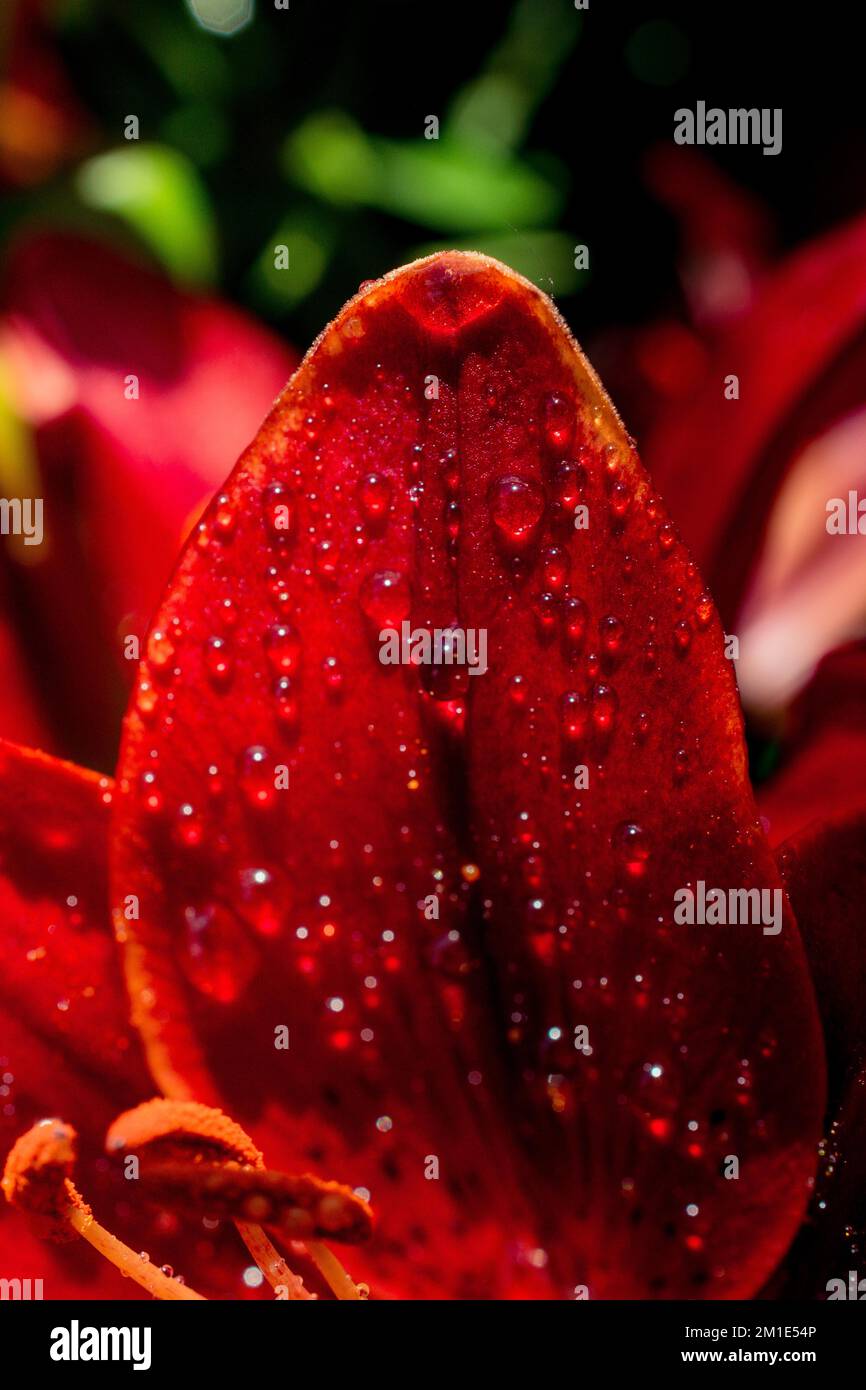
pixel 198 1156
pixel 37 1179
pixel 179 1123
pixel 271 1263
pixel 333 1272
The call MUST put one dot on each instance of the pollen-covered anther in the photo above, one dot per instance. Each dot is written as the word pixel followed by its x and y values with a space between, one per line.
pixel 175 1123
pixel 301 1208
pixel 38 1179
pixel 195 1158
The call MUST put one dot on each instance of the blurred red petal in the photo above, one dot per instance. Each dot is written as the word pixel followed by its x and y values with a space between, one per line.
pixel 823 770
pixel 824 868
pixel 720 462
pixel 725 231
pixel 65 1042
pixel 123 476
pixel 428 459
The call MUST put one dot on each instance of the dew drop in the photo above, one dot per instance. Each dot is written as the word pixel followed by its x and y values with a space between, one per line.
pixel 258 900
pixel 333 674
pixel 573 714
pixel 704 610
pixel 149 793
pixel 385 598
pixel 160 652
pixel 516 506
pixel 604 707
pixel 279 512
pixel 612 632
pixel 286 698
pixel 575 617
pixel 374 494
pixel 545 606
pixel 224 519
pixel 325 559
pixel 218 661
pixel 554 565
pixel 631 848
pixel 569 481
pixel 218 958
pixel 256 777
pixel 146 701
pixel 558 421
pixel 189 830
pixel 283 646
pixel 620 501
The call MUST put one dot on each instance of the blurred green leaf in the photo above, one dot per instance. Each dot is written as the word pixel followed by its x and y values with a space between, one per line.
pixel 309 240
pixel 436 183
pixel 330 156
pixel 200 130
pixel 493 112
pixel 192 62
pixel 18 466
pixel 544 257
pixel 157 191
pixel 456 188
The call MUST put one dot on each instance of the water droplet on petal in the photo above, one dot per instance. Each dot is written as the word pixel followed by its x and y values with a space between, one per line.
pixel 612 633
pixel 604 707
pixel 149 793
pixel 279 512
pixel 573 712
pixel 559 421
pixel 146 701
pixel 160 652
pixel 333 673
pixel 224 519
pixel 218 958
pixel 704 610
pixel 286 696
pixel 283 646
pixel 257 773
pixel 632 848
pixel 218 661
pixel 258 899
pixel 554 567
pixel 575 617
pixel 385 598
pixel 189 827
pixel 374 494
pixel 569 481
pixel 546 607
pixel 325 559
pixel 516 506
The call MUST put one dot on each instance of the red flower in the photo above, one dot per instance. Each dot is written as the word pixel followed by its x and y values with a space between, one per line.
pixel 415 926
pixel 134 393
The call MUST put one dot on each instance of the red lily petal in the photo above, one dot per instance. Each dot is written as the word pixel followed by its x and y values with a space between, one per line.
pixel 430 455
pixel 823 771
pixel 824 868
pixel 720 462
pixel 64 1036
pixel 123 478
